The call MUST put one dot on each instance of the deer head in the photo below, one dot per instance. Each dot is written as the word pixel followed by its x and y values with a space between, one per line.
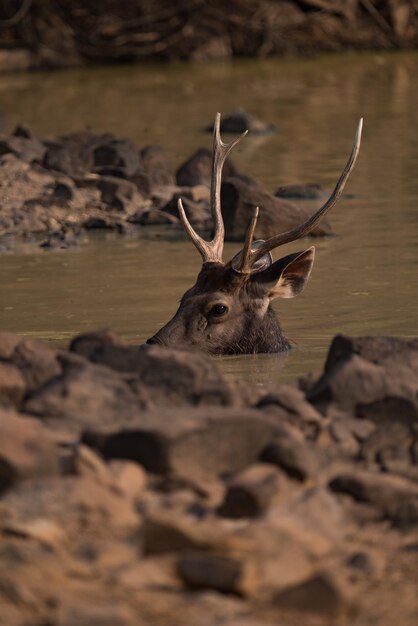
pixel 228 310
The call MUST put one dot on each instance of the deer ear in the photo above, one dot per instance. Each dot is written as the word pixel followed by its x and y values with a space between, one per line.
pixel 287 277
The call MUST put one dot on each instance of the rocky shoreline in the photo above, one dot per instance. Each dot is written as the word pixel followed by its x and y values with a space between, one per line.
pixel 138 486
pixel 43 34
pixel 55 188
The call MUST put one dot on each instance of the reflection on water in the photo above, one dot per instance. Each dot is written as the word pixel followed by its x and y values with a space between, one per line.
pixel 365 280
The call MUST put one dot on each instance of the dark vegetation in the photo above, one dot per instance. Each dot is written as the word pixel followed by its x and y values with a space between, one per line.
pixel 59 33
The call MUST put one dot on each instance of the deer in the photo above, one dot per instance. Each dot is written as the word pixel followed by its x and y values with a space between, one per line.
pixel 228 310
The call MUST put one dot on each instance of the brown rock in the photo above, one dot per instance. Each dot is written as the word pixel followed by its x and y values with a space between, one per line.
pixel 342 435
pixel 170 377
pixel 293 401
pixel 390 440
pixel 258 561
pixel 250 492
pixel 166 531
pixel 239 121
pixel 197 170
pixel 74 503
pixel 104 615
pixel 12 385
pixel 210 571
pixel 129 478
pixel 309 191
pixel 36 361
pixel 320 593
pixel 84 393
pixel 239 201
pixel 194 445
pixel 26 449
pixel 395 497
pixel 314 517
pixel 360 372
pixel 40 529
pixel 293 454
pixel 153 217
pixel 156 166
pixel 197 212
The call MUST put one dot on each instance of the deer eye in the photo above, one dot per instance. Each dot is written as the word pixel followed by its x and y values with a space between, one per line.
pixel 218 310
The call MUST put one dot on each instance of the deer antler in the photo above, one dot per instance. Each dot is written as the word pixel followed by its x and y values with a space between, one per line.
pixel 251 256
pixel 211 251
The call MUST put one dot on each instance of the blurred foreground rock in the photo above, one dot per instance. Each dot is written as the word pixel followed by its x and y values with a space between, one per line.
pixel 138 486
pixel 55 189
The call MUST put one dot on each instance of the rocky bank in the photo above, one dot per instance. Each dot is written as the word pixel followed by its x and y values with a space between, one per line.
pixel 54 188
pixel 48 34
pixel 138 486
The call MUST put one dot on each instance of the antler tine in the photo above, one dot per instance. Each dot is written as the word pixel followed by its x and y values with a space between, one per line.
pixel 244 266
pixel 220 153
pixel 201 244
pixel 306 227
pixel 211 251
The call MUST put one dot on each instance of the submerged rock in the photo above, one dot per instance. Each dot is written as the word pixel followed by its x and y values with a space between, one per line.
pixel 310 191
pixel 239 121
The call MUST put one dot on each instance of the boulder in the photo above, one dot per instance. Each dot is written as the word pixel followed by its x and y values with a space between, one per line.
pixel 293 454
pixel 250 492
pixel 258 561
pixel 156 166
pixel 26 449
pixel 37 362
pixel 395 497
pixel 197 170
pixel 168 531
pixel 321 593
pixel 76 504
pixel 239 121
pixel 196 445
pixel 238 201
pixel 171 377
pixel 28 149
pixel 372 377
pixel 314 517
pixel 117 155
pixel 12 385
pixel 198 213
pixel 152 217
pixel 84 394
pixel 310 191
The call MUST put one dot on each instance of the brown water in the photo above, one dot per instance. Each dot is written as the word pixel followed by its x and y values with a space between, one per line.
pixel 365 280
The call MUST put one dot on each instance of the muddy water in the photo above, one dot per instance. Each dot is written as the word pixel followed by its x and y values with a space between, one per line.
pixel 365 280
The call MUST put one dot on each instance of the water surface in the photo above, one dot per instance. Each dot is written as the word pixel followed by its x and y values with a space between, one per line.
pixel 365 280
